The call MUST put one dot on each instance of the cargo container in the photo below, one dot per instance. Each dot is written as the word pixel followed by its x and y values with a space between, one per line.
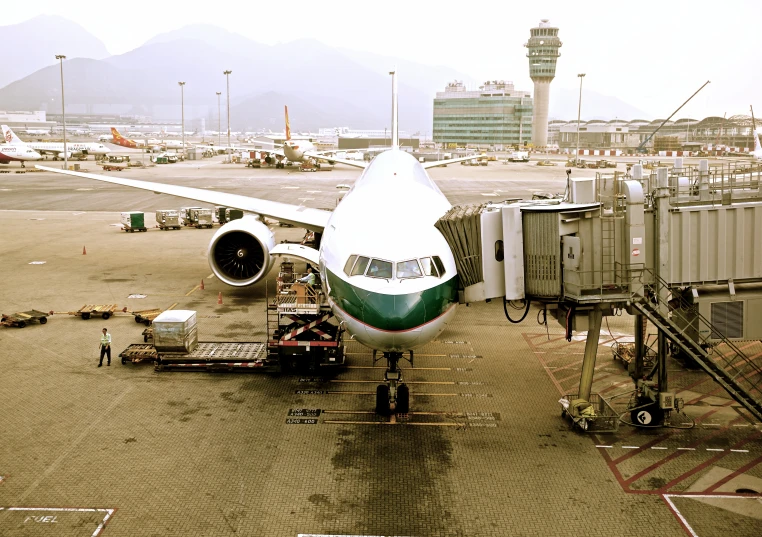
pixel 168 219
pixel 201 217
pixel 220 212
pixel 132 221
pixel 233 214
pixel 175 331
pixel 186 214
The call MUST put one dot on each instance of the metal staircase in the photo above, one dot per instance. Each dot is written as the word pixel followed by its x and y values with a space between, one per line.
pixel 732 370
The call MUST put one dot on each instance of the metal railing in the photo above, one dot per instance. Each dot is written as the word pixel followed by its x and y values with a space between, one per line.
pixel 623 281
pixel 699 338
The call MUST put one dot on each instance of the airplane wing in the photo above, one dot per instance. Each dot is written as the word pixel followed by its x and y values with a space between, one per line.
pixel 297 215
pixel 435 163
pixel 353 163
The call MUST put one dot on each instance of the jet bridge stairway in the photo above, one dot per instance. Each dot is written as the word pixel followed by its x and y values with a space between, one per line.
pixel 732 370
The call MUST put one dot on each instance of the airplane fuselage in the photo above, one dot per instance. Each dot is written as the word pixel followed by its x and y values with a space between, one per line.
pixel 388 302
pixel 74 148
pixel 17 152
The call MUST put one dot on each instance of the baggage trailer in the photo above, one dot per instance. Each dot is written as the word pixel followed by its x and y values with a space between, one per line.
pixel 146 316
pixel 133 221
pixel 226 356
pixel 168 219
pixel 21 318
pixel 94 310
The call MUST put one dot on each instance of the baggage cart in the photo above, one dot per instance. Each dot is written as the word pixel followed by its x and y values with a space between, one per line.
pixel 146 316
pixel 201 218
pixel 22 318
pixel 233 214
pixel 168 219
pixel 137 353
pixel 601 417
pixel 133 221
pixel 104 311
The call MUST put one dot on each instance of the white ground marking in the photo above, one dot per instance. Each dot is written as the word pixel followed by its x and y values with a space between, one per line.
pixel 37 262
pixel 668 499
pixel 107 513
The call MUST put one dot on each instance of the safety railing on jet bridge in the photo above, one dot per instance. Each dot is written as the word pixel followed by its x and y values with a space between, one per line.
pixel 621 282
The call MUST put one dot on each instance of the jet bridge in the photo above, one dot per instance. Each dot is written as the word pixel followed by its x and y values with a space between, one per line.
pixel 680 247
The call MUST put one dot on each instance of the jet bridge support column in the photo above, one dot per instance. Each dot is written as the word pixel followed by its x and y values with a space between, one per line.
pixel 640 346
pixel 594 318
pixel 662 265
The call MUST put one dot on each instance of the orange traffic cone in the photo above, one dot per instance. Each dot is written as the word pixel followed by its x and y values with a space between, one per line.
pixel 219 298
pixel 202 285
pixel 84 251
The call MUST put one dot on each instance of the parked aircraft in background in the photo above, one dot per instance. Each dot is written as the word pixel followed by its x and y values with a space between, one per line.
pixel 57 148
pixel 10 152
pixel 118 139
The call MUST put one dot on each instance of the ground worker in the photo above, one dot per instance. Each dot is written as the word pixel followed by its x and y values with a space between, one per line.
pixel 309 279
pixel 105 347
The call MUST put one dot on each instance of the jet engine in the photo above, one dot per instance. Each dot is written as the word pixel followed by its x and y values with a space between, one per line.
pixel 239 253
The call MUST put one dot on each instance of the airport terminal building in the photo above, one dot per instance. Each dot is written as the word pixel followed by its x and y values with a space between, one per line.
pixel 495 115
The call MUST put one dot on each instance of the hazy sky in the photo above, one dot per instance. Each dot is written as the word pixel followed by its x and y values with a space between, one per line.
pixel 651 54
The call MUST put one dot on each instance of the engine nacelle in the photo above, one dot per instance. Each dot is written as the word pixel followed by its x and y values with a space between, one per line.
pixel 239 253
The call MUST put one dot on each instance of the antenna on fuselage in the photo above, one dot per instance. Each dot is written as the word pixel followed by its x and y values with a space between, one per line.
pixel 395 129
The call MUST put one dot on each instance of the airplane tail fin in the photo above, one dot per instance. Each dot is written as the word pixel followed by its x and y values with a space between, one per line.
pixel 288 126
pixel 9 136
pixel 395 129
pixel 115 133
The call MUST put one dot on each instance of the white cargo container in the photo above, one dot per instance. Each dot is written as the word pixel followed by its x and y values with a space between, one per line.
pixel 168 219
pixel 175 331
pixel 201 217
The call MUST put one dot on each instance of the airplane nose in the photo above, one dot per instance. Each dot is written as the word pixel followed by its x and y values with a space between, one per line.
pixel 400 313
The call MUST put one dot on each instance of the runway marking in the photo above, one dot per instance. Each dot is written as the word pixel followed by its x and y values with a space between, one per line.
pixel 416 355
pixel 740 450
pixel 343 392
pixel 712 449
pixel 92 425
pixel 605 447
pixel 289 187
pixel 52 519
pixel 172 306
pixel 432 424
pixel 193 290
pixel 403 368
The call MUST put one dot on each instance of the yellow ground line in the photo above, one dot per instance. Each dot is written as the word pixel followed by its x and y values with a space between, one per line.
pixel 192 290
pixel 349 381
pixel 172 306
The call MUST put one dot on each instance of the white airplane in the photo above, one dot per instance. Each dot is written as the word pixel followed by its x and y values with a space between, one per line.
pixel 300 150
pixel 105 138
pixel 13 151
pixel 389 274
pixel 757 153
pixel 57 148
pixel 36 132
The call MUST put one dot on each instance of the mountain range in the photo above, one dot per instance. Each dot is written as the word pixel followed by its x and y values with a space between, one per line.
pixel 323 86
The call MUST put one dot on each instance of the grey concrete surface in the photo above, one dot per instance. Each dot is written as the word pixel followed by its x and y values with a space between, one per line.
pixel 484 451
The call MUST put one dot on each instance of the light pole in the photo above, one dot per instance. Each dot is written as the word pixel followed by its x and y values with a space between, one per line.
pixel 219 120
pixel 227 77
pixel 579 111
pixel 61 58
pixel 182 112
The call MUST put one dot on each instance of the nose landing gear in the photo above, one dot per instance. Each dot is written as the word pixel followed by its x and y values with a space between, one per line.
pixel 393 397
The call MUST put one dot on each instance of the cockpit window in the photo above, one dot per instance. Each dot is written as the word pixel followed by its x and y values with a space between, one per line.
pixel 409 269
pixel 360 266
pixel 438 263
pixel 429 269
pixel 350 264
pixel 380 269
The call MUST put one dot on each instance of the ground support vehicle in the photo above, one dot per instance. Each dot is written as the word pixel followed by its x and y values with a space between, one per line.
pixel 104 311
pixel 303 334
pixel 253 163
pixel 147 334
pixel 308 166
pixel 226 356
pixel 146 316
pixel 202 218
pixel 110 167
pixel 22 318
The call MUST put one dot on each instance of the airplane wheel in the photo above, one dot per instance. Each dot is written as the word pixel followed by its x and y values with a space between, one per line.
pixel 403 399
pixel 43 320
pixel 382 400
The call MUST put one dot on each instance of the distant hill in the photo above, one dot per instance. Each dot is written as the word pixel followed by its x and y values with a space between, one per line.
pixel 34 44
pixel 323 86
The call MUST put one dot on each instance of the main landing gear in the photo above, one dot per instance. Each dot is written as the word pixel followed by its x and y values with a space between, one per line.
pixel 393 397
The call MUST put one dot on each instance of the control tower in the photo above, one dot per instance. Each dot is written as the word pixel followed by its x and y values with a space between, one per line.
pixel 542 51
